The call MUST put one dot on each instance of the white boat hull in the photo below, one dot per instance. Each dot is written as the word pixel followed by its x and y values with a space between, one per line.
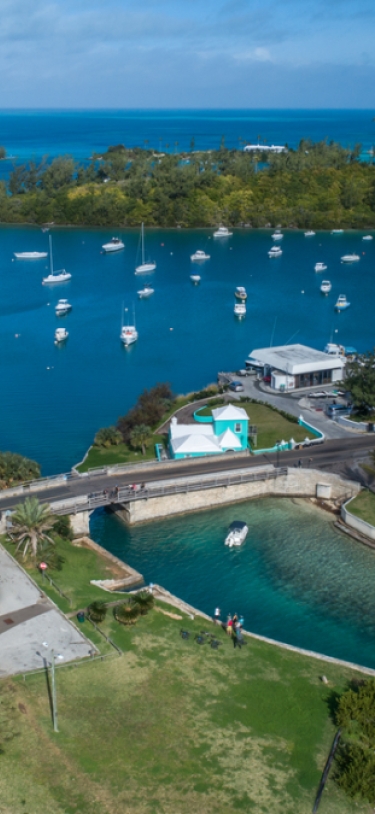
pixel 117 246
pixel 56 278
pixel 145 268
pixel 30 255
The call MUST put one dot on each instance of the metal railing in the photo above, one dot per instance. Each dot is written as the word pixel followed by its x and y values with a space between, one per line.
pixel 129 494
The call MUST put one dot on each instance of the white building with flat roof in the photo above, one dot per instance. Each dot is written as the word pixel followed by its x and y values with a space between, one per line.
pixel 294 366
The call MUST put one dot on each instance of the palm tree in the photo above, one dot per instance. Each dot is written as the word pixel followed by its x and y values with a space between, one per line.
pixel 140 437
pixel 145 601
pixel 30 522
pixel 107 437
pixel 127 612
pixel 97 611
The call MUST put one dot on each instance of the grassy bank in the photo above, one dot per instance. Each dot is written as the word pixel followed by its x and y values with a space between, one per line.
pixel 363 506
pixel 120 454
pixel 171 726
pixel 272 426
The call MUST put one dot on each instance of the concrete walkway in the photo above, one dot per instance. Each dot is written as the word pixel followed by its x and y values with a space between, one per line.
pixel 31 626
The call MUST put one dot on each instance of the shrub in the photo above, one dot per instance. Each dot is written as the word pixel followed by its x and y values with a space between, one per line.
pixel 63 527
pixel 97 611
pixel 145 601
pixel 107 437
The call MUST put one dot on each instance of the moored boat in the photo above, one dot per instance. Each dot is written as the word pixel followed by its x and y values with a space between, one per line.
pixel 55 277
pixel 30 255
pixel 62 307
pixel 326 286
pixel 240 309
pixel 237 533
pixel 320 267
pixel 223 231
pixel 199 256
pixel 350 258
pixel 309 233
pixel 275 251
pixel 341 303
pixel 145 267
pixel 367 237
pixel 144 292
pixel 195 278
pixel 240 292
pixel 114 245
pixel 129 333
pixel 60 335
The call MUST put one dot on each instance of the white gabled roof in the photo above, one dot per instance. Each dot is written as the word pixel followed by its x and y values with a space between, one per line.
pixel 230 413
pixel 195 443
pixel 228 440
pixel 182 430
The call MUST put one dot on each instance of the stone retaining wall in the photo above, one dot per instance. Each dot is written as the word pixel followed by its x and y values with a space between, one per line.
pixel 356 523
pixel 297 483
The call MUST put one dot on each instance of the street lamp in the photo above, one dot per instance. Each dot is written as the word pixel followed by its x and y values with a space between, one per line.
pixel 277 453
pixel 53 684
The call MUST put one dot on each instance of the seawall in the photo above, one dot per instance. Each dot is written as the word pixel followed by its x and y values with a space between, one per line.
pixel 295 483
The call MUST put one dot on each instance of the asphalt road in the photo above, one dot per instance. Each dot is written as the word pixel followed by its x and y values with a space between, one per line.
pixel 335 455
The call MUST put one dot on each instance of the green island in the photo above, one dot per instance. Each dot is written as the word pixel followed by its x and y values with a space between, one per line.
pixel 169 725
pixel 318 185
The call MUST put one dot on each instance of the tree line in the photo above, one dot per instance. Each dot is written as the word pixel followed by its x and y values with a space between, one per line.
pixel 318 184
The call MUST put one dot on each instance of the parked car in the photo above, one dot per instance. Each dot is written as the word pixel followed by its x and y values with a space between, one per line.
pixel 237 387
pixel 267 379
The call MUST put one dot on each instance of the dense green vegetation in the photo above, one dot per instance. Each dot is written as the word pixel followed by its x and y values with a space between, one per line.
pixel 356 759
pixel 16 469
pixel 360 381
pixel 320 185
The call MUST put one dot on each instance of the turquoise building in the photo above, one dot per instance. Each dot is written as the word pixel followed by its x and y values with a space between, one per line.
pixel 225 431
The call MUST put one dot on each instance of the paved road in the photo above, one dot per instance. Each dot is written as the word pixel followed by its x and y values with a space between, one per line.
pixel 335 455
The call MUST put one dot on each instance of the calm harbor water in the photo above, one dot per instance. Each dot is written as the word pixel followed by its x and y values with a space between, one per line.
pixel 295 579
pixel 30 134
pixel 55 398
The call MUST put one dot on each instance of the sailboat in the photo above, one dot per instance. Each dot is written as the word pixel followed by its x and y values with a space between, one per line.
pixel 58 277
pixel 129 333
pixel 144 267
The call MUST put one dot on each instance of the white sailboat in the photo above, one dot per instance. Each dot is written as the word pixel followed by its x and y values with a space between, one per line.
pixel 55 277
pixel 129 333
pixel 144 267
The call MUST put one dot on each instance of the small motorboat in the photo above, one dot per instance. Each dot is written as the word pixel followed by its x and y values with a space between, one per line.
pixel 309 233
pixel 240 293
pixel 60 335
pixel 114 245
pixel 237 533
pixel 62 307
pixel 275 251
pixel 334 350
pixel 367 237
pixel 320 267
pixel 337 231
pixel 30 255
pixel 144 292
pixel 199 256
pixel 277 235
pixel 341 303
pixel 222 231
pixel 240 309
pixel 326 286
pixel 195 278
pixel 350 258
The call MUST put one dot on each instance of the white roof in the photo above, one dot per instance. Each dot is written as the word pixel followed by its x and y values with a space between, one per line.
pixel 229 440
pixel 230 413
pixel 195 443
pixel 295 359
pixel 182 430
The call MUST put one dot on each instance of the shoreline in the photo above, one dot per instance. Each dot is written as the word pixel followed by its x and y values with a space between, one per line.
pixel 247 229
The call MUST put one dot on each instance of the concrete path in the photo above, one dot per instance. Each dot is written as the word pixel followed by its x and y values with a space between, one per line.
pixel 31 626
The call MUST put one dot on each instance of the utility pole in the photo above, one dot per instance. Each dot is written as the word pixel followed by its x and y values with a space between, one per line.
pixel 54 703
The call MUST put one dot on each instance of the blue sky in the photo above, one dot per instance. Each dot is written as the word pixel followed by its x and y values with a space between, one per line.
pixel 187 53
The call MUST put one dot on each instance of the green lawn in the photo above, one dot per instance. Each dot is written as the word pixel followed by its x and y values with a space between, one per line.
pixel 272 426
pixel 120 454
pixel 169 727
pixel 363 506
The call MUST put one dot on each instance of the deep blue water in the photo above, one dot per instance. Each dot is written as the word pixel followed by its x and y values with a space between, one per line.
pixel 36 133
pixel 295 579
pixel 53 399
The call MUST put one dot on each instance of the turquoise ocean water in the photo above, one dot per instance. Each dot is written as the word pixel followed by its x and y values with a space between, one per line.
pixel 55 398
pixel 295 579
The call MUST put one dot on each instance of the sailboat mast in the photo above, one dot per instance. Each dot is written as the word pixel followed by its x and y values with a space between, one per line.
pixel 143 244
pixel 50 255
